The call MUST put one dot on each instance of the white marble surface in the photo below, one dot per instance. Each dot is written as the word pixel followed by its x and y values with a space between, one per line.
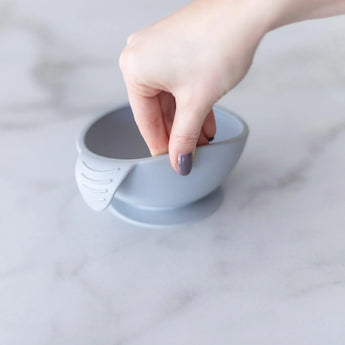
pixel 267 268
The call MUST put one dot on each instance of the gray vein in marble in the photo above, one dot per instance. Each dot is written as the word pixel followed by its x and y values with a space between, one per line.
pixel 296 175
pixel 6 11
pixel 14 271
pixel 50 71
pixel 64 272
pixel 181 301
pixel 315 288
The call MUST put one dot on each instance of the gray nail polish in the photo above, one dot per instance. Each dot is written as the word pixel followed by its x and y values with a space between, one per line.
pixel 184 163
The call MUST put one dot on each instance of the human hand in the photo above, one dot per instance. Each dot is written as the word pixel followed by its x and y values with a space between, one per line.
pixel 176 69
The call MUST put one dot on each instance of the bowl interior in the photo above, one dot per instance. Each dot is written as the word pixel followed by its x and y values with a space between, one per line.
pixel 116 135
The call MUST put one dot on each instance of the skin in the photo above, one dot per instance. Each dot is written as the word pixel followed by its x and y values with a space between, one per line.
pixel 176 69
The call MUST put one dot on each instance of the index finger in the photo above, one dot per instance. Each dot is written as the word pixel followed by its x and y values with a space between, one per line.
pixel 148 117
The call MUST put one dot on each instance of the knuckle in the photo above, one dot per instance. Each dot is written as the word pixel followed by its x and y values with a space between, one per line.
pixel 128 61
pixel 122 60
pixel 131 38
pixel 187 139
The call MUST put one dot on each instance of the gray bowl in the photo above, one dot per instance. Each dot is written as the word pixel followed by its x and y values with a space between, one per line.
pixel 115 169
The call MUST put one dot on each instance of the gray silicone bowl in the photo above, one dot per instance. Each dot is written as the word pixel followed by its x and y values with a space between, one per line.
pixel 114 169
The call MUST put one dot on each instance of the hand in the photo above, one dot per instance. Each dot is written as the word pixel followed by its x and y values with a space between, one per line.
pixel 176 69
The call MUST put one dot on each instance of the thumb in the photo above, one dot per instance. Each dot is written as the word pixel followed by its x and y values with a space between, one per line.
pixel 185 132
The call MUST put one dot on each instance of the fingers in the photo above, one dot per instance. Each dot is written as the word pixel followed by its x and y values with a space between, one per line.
pixel 186 132
pixel 203 140
pixel 148 117
pixel 209 126
pixel 208 130
pixel 168 106
pixel 167 127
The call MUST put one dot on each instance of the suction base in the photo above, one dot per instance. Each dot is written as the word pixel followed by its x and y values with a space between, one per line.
pixel 195 211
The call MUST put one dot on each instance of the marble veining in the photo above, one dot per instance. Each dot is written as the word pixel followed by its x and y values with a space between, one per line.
pixel 267 268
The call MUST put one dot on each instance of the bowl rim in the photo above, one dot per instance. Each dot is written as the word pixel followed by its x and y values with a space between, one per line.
pixel 83 149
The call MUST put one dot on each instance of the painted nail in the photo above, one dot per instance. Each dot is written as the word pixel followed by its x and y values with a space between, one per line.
pixel 184 163
pixel 210 139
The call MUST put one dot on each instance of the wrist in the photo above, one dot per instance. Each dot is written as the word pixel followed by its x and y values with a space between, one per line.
pixel 254 17
pixel 259 16
pixel 291 11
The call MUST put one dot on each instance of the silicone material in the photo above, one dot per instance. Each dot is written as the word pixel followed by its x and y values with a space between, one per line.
pixel 115 168
pixel 98 181
pixel 194 211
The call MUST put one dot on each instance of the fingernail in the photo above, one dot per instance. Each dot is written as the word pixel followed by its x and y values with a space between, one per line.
pixel 184 163
pixel 210 139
